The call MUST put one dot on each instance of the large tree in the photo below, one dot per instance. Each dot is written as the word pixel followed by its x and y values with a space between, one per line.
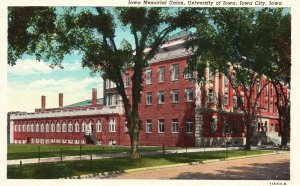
pixel 276 51
pixel 228 41
pixel 50 34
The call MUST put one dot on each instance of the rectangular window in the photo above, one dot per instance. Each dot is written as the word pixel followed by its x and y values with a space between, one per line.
pixel 161 126
pixel 175 72
pixel 174 125
pixel 175 96
pixel 149 98
pixel 189 94
pixel 127 80
pixel 161 74
pixel 148 126
pixel 189 127
pixel 188 75
pixel 161 97
pixel 148 76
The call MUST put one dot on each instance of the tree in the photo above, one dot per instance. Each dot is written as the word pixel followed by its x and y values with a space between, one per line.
pixel 228 41
pixel 50 34
pixel 276 44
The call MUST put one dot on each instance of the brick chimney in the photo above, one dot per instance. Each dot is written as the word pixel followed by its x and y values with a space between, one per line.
pixel 43 102
pixel 94 97
pixel 61 99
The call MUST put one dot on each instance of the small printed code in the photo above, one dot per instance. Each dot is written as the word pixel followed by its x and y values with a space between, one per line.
pixel 277 183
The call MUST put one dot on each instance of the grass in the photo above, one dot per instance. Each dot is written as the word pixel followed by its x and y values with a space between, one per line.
pixel 31 151
pixel 72 168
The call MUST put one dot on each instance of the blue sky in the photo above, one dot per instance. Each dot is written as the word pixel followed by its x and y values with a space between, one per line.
pixel 29 79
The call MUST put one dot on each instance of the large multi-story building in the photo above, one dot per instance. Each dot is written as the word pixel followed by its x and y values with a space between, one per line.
pixel 173 111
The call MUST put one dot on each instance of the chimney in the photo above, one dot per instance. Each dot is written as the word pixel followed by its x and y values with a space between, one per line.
pixel 43 102
pixel 94 97
pixel 61 100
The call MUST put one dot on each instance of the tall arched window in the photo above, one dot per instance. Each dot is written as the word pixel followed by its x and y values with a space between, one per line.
pixel 70 126
pixel 42 127
pixel 52 127
pixel 37 128
pixel 76 126
pixel 47 127
pixel 32 127
pixel 98 126
pixel 64 127
pixel 57 126
pixel 112 125
pixel 83 126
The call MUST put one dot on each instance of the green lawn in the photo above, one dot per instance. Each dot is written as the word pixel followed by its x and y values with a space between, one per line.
pixel 31 151
pixel 72 168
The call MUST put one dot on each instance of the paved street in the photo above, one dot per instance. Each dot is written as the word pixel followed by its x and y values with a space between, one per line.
pixel 272 167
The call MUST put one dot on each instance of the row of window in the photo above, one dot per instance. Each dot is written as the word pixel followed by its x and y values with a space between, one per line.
pixel 64 127
pixel 174 94
pixel 49 141
pixel 174 126
pixel 161 75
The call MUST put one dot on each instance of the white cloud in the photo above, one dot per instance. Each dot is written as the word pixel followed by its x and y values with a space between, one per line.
pixel 33 67
pixel 28 97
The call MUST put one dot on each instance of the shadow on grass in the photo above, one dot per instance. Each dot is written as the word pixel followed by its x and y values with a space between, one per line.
pixel 255 171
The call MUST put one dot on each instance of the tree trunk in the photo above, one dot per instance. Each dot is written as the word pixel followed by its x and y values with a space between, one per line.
pixel 249 133
pixel 134 142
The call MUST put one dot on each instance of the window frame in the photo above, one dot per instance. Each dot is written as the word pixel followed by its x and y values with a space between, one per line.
pixel 148 75
pixel 161 74
pixel 149 98
pixel 148 126
pixel 175 123
pixel 175 92
pixel 189 127
pixel 161 126
pixel 175 72
pixel 161 97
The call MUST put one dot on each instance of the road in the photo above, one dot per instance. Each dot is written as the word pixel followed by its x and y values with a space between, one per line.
pixel 271 167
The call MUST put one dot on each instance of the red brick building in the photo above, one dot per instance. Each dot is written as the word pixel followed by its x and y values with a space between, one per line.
pixel 173 111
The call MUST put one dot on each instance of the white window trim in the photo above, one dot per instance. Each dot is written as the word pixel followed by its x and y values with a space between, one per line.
pixel 149 93
pixel 173 122
pixel 98 126
pixel 160 74
pixel 148 81
pixel 147 126
pixel 187 90
pixel 173 95
pixel 159 122
pixel 173 75
pixel 191 125
pixel 160 93
pixel 112 125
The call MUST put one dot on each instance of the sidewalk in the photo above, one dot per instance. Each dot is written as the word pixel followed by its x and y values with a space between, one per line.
pixel 115 155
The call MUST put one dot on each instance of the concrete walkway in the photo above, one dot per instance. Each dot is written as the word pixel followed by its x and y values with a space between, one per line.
pixel 106 156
